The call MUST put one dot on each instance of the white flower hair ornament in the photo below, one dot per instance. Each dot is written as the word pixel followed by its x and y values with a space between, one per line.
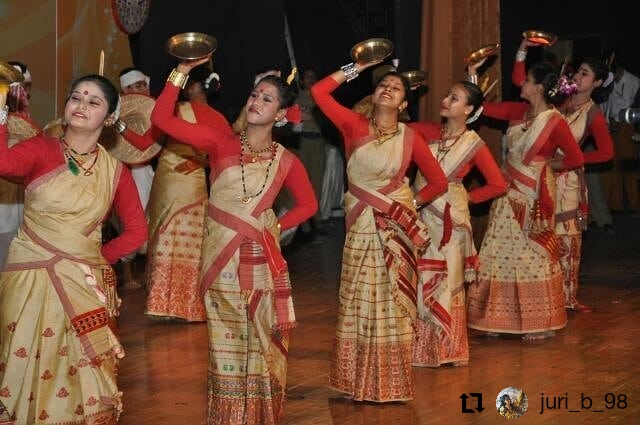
pixel 210 78
pixel 475 115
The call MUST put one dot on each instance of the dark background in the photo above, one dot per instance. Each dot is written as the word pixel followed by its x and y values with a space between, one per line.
pixel 251 39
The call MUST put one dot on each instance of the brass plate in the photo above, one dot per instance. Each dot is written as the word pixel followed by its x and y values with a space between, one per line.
pixel 482 52
pixel 135 111
pixel 372 50
pixel 191 45
pixel 8 74
pixel 542 38
pixel 416 78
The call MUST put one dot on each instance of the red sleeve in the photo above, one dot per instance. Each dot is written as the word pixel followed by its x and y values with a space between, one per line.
pixel 604 144
pixel 436 180
pixel 30 158
pixel 518 75
pixel 505 110
pixel 561 137
pixel 343 118
pixel 495 184
pixel 306 204
pixel 128 208
pixel 202 137
pixel 143 141
pixel 428 130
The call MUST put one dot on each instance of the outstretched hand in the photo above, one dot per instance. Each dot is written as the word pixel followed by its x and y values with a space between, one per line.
pixel 186 66
pixel 472 68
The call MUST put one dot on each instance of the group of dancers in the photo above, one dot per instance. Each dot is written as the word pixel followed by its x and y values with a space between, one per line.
pixel 411 281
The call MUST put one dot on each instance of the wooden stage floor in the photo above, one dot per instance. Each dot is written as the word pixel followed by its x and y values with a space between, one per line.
pixel 595 358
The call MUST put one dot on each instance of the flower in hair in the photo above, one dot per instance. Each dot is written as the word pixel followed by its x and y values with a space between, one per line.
pixel 564 86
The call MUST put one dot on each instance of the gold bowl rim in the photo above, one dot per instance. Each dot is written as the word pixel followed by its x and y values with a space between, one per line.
pixel 369 46
pixel 9 74
pixel 416 77
pixel 482 52
pixel 535 35
pixel 191 45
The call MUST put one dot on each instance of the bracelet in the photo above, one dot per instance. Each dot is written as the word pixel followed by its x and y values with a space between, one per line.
pixel 4 115
pixel 521 55
pixel 415 204
pixel 350 71
pixel 177 78
pixel 473 79
pixel 121 126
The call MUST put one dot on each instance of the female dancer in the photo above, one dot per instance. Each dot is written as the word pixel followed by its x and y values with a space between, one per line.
pixel 58 354
pixel 372 351
pixel 177 209
pixel 585 119
pixel 451 259
pixel 519 287
pixel 244 278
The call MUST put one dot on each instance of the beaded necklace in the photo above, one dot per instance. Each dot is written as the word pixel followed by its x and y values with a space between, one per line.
pixel 381 135
pixel 245 199
pixel 76 160
pixel 443 148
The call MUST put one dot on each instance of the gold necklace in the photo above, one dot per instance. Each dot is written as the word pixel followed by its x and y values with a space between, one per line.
pixel 443 148
pixel 244 198
pixel 255 153
pixel 75 160
pixel 576 111
pixel 382 135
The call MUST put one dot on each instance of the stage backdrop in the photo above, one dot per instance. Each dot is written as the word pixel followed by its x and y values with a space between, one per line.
pixel 60 40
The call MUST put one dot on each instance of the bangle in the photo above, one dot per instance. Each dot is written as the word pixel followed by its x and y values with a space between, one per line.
pixel 521 55
pixel 4 115
pixel 177 78
pixel 350 71
pixel 473 79
pixel 121 126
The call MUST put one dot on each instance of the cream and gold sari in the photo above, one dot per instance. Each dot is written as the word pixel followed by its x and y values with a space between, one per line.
pixel 59 356
pixel 448 262
pixel 176 212
pixel 519 287
pixel 372 351
pixel 247 292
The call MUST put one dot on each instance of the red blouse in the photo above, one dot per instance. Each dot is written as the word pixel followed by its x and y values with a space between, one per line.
pixel 39 155
pixel 354 126
pixel 495 184
pixel 217 139
pixel 560 136
pixel 596 126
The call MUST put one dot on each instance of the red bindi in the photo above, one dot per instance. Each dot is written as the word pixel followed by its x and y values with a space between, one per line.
pixel 86 92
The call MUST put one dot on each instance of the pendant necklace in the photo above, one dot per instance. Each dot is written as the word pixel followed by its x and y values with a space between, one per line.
pixel 244 198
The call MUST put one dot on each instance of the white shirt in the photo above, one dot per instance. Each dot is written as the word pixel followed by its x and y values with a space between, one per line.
pixel 622 96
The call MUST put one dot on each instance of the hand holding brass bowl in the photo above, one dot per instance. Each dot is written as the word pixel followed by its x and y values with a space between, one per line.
pixel 416 78
pixel 372 50
pixel 481 53
pixel 8 74
pixel 543 38
pixel 191 45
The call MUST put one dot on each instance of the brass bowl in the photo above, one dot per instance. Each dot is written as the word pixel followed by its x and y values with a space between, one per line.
pixel 372 50
pixel 191 45
pixel 482 52
pixel 543 38
pixel 8 74
pixel 416 78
